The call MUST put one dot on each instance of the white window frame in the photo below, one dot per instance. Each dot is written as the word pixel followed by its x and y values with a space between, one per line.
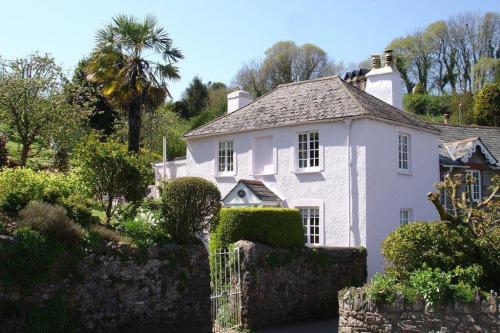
pixel 405 216
pixel 401 159
pixel 229 159
pixel 309 215
pixel 477 192
pixel 296 151
pixel 313 203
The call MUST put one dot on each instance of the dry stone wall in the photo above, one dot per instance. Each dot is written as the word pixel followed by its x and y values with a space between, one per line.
pixel 282 286
pixel 358 314
pixel 167 291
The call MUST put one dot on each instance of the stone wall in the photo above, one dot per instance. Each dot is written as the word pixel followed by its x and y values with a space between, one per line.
pixel 166 291
pixel 282 286
pixel 358 314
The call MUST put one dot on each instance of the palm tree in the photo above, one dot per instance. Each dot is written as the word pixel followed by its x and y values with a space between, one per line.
pixel 133 81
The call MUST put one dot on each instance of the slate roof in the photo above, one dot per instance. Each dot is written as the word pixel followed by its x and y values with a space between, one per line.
pixel 458 139
pixel 307 101
pixel 260 190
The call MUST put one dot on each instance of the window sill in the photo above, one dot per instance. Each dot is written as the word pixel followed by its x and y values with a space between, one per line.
pixel 306 171
pixel 226 175
pixel 271 173
pixel 404 172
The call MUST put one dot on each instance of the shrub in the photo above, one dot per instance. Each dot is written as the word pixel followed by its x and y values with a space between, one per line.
pixel 435 244
pixel 20 186
pixel 279 227
pixel 382 288
pixel 431 284
pixel 487 106
pixel 27 259
pixel 190 206
pixel 112 173
pixel 51 221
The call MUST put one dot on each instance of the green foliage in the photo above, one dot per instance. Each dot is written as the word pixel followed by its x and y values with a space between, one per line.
pixel 54 316
pixel 33 105
pixel 430 283
pixel 27 259
pixel 51 221
pixel 382 288
pixel 112 173
pixel 4 153
pixel 165 122
pixel 20 186
pixel 190 205
pixel 487 106
pixel 279 227
pixel 424 104
pixel 435 244
pixel 86 94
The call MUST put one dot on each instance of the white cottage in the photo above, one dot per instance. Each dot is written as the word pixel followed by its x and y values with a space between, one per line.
pixel 353 163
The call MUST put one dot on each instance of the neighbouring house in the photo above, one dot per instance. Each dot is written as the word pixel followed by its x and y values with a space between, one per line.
pixel 470 149
pixel 353 163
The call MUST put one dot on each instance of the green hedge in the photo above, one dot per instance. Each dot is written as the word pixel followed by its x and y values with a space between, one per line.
pixel 278 227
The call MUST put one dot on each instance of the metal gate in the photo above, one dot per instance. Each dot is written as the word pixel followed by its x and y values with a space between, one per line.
pixel 226 290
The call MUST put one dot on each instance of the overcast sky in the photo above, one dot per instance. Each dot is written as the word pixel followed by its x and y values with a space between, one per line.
pixel 218 36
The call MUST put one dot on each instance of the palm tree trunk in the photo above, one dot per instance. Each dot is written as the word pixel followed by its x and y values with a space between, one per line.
pixel 134 127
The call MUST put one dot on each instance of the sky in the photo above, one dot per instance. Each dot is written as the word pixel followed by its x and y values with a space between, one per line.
pixel 218 36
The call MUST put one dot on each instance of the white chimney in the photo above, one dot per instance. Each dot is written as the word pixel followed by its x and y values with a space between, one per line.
pixel 237 99
pixel 385 82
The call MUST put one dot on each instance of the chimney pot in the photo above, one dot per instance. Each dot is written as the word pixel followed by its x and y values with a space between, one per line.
pixel 389 58
pixel 376 62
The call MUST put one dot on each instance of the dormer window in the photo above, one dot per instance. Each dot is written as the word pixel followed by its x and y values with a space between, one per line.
pixel 226 157
pixel 308 153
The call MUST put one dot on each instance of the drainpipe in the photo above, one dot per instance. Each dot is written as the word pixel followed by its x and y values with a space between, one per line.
pixel 349 180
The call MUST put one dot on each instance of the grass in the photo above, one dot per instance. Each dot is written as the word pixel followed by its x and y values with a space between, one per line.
pixel 14 146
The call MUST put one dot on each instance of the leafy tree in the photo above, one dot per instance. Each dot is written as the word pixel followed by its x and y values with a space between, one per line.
pixel 165 122
pixel 113 174
pixel 195 97
pixel 285 62
pixel 487 106
pixel 85 93
pixel 216 106
pixel 131 63
pixel 32 103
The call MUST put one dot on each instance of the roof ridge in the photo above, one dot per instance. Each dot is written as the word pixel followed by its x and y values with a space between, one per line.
pixel 260 97
pixel 467 126
pixel 307 81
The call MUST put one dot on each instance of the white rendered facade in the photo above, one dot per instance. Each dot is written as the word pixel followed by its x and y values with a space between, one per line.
pixel 357 186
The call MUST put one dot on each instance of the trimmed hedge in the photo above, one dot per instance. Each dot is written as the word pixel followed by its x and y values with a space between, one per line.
pixel 277 227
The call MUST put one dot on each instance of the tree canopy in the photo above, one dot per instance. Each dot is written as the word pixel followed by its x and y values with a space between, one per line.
pixel 131 63
pixel 285 62
pixel 33 105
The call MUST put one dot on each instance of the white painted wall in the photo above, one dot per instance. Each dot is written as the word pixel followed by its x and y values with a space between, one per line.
pixel 361 213
pixel 173 169
pixel 388 191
